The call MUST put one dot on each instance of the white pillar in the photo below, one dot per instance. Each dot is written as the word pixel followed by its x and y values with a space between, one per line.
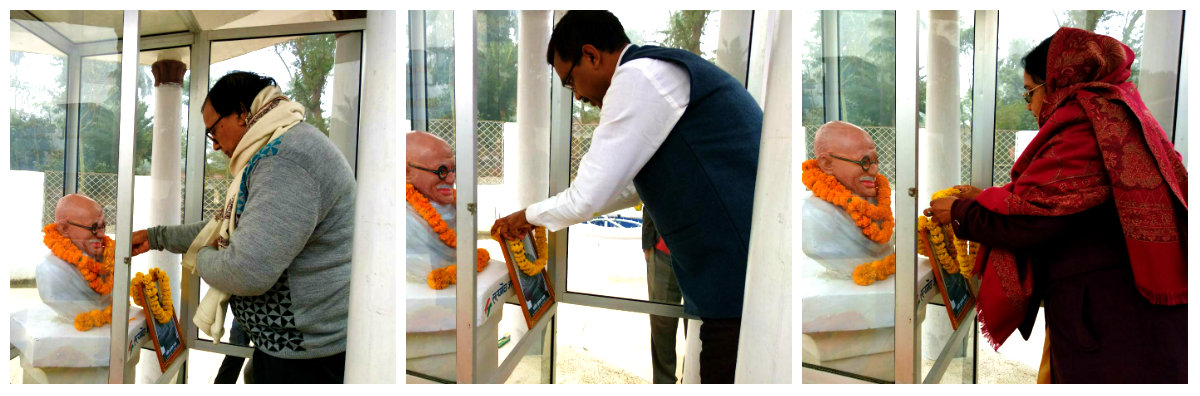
pixel 343 128
pixel 765 343
pixel 166 177
pixel 941 156
pixel 733 43
pixel 371 332
pixel 532 178
pixel 941 153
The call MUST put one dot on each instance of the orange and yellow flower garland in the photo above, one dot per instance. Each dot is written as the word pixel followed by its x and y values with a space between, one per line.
pixel 963 260
pixel 867 273
pixel 876 220
pixel 94 318
pixel 156 287
pixel 442 278
pixel 517 249
pixel 99 275
pixel 431 216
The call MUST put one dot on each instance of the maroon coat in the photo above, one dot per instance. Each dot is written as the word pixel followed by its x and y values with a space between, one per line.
pixel 1101 329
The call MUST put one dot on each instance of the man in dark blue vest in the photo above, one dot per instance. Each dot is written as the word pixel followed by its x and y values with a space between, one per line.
pixel 683 135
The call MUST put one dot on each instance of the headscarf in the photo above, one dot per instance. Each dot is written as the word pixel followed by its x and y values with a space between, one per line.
pixel 1097 142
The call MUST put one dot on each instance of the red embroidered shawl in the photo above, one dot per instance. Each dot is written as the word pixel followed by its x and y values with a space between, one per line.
pixel 1097 142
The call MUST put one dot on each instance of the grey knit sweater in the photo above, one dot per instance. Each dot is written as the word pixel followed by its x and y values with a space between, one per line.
pixel 288 261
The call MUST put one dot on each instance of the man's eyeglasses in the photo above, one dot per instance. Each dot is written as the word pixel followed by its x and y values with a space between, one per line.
pixel 92 228
pixel 211 132
pixel 441 171
pixel 865 163
pixel 1028 95
pixel 569 80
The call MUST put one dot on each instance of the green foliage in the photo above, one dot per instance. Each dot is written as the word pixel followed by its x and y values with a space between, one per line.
pixel 310 69
pixel 684 29
pixel 496 70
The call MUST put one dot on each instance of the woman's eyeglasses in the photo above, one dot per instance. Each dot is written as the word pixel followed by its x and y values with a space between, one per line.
pixel 1028 95
pixel 441 171
pixel 865 163
pixel 210 132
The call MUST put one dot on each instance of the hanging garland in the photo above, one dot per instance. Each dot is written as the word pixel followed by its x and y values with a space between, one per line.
pixel 517 249
pixel 98 274
pixel 875 220
pixel 431 216
pixel 963 260
pixel 442 278
pixel 156 290
pixel 867 273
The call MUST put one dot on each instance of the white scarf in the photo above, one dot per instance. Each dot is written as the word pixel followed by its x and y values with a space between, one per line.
pixel 271 115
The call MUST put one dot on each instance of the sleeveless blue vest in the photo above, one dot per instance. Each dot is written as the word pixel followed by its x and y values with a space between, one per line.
pixel 699 185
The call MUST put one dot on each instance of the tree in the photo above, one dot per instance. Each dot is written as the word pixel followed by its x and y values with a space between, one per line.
pixel 684 29
pixel 313 62
pixel 496 73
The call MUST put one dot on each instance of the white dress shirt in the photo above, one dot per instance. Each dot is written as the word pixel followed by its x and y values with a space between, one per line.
pixel 644 101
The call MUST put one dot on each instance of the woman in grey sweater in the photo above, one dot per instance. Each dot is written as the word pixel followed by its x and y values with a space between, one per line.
pixel 280 248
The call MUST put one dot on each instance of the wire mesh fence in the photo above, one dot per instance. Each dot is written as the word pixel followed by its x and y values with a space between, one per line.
pixel 102 188
pixel 489 139
pixel 885 146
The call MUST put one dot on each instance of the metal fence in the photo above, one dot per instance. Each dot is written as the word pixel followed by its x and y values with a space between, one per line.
pixel 102 188
pixel 885 146
pixel 489 139
pixel 581 139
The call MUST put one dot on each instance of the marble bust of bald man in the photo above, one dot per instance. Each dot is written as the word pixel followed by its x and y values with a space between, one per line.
pixel 831 237
pixel 60 284
pixel 430 170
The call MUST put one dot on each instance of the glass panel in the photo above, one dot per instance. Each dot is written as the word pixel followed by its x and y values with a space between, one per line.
pixel 605 254
pixel 99 131
pixel 534 367
pixel 850 328
pixel 946 61
pixel 1020 33
pixel 813 76
pixel 34 164
pixel 305 69
pixel 431 323
pixel 605 346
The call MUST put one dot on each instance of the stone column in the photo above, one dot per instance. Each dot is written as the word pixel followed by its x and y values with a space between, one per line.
pixel 940 163
pixel 532 177
pixel 371 333
pixel 765 344
pixel 166 179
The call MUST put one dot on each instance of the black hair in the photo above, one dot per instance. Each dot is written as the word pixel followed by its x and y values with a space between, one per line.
pixel 1035 61
pixel 601 29
pixel 234 92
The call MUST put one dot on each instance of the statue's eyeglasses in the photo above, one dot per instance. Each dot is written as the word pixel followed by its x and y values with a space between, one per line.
pixel 865 163
pixel 442 171
pixel 92 228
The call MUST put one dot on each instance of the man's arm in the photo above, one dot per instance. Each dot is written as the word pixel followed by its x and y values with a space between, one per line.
pixel 174 239
pixel 647 97
pixel 281 212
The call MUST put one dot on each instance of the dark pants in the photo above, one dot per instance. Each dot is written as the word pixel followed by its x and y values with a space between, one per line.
pixel 663 288
pixel 718 350
pixel 231 366
pixel 324 370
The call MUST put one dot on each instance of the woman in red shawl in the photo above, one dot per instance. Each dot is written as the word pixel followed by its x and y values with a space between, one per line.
pixel 1094 223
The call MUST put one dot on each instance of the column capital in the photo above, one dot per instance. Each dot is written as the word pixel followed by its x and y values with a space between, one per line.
pixel 168 71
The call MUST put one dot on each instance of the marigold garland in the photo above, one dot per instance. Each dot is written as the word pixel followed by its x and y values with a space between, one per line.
pixel 99 275
pixel 517 249
pixel 94 318
pixel 963 259
pixel 158 302
pixel 875 220
pixel 431 216
pixel 442 278
pixel 867 273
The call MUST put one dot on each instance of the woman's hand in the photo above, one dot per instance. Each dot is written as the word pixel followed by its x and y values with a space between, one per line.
pixel 968 191
pixel 939 210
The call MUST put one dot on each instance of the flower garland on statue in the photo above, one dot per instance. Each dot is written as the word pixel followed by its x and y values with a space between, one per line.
pixel 442 278
pixel 156 290
pixel 875 220
pixel 963 260
pixel 98 274
pixel 431 216
pixel 867 273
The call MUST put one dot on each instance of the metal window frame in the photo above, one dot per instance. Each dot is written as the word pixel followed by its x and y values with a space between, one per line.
pixel 1181 101
pixel 983 102
pixel 831 45
pixel 906 342
pixel 416 75
pixel 119 331
pixel 465 154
